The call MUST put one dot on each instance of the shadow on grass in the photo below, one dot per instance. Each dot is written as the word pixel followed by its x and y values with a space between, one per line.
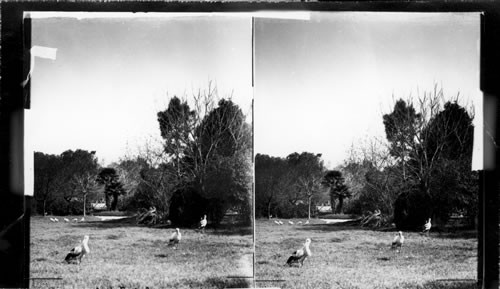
pixel 231 230
pixel 125 222
pixel 226 230
pixel 457 234
pixel 215 282
pixel 331 227
pixel 447 284
pixel 463 234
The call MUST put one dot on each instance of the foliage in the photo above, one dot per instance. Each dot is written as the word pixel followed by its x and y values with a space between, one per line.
pixel 47 183
pixel 335 182
pixel 288 187
pixel 369 172
pixel 431 147
pixel 112 187
pixel 272 181
pixel 65 180
pixel 208 149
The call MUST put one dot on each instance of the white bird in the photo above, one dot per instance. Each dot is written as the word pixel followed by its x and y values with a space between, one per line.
pixel 290 222
pixel 300 255
pixel 175 238
pixel 281 223
pixel 427 227
pixel 203 223
pixel 66 219
pixel 398 241
pixel 82 219
pixel 52 220
pixel 306 223
pixel 276 222
pixel 56 219
pixel 77 253
pixel 299 223
pixel 75 220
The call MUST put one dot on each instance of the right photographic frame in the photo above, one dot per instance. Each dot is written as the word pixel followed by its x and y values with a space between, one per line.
pixel 368 138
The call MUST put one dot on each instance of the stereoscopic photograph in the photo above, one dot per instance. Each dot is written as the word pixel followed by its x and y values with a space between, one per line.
pixel 254 150
pixel 364 140
pixel 140 134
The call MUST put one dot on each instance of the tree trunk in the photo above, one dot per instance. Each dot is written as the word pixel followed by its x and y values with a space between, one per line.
pixel 44 201
pixel 108 202
pixel 84 203
pixel 114 202
pixel 340 205
pixel 269 210
pixel 309 209
pixel 332 203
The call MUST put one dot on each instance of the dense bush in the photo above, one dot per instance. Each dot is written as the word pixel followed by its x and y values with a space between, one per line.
pixel 411 209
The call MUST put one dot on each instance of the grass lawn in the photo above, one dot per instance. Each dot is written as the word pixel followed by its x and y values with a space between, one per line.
pixel 350 257
pixel 125 255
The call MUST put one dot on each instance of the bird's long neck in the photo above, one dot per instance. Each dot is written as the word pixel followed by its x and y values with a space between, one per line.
pixel 306 249
pixel 85 245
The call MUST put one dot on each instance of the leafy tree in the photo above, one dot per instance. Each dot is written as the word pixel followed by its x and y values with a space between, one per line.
pixel 78 175
pixel 402 128
pixel 64 182
pixel 112 186
pixel 210 149
pixel 335 182
pixel 272 180
pixel 47 168
pixel 307 169
pixel 423 142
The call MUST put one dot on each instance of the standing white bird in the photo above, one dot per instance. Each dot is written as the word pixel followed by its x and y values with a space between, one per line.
pixel 290 222
pixel 82 219
pixel 175 238
pixel 398 241
pixel 77 253
pixel 306 223
pixel 66 219
pixel 427 227
pixel 203 223
pixel 300 255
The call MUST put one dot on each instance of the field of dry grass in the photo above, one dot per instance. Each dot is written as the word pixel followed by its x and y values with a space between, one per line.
pixel 351 257
pixel 124 255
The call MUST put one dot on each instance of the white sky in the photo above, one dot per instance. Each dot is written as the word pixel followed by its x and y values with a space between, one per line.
pixel 324 84
pixel 112 75
pixel 321 83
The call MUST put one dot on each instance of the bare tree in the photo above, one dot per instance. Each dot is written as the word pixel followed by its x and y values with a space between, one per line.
pixel 310 186
pixel 204 142
pixel 418 140
pixel 85 184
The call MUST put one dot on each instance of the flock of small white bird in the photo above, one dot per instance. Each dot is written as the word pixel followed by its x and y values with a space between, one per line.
pixel 55 220
pixel 278 222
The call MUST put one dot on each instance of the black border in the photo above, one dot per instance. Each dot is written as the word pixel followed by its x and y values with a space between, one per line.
pixel 14 208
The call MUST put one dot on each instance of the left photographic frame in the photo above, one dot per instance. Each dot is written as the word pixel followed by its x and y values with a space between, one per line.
pixel 139 136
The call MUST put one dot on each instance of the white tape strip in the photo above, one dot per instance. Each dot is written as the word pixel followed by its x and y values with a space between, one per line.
pixel 42 52
pixel 297 15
